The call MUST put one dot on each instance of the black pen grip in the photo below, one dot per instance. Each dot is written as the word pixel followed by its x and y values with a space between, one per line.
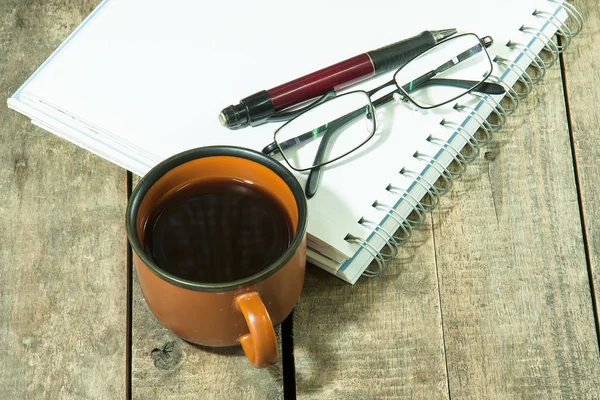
pixel 397 54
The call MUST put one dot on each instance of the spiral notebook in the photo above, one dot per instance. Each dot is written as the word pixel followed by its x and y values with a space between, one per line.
pixel 139 81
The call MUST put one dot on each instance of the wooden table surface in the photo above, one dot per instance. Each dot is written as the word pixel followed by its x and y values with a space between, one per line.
pixel 494 297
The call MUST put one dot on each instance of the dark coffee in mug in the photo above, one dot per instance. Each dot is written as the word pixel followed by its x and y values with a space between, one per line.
pixel 218 231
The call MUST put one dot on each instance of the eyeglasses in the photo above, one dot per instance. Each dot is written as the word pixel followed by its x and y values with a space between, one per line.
pixel 337 126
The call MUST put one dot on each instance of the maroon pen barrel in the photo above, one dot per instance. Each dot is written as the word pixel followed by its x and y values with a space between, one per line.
pixel 334 77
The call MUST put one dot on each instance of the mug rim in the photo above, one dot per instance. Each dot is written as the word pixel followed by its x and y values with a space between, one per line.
pixel 152 176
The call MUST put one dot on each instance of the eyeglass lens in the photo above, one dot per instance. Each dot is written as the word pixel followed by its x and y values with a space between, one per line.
pixel 327 132
pixel 445 72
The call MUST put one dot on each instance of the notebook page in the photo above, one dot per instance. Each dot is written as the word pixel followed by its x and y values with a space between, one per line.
pixel 150 78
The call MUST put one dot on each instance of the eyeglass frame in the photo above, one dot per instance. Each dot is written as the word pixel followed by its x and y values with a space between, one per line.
pixel 315 170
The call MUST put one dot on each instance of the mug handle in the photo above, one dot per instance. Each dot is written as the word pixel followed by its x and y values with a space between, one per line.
pixel 260 345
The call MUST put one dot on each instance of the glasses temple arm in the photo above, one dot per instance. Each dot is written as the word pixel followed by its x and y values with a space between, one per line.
pixel 273 147
pixel 482 87
pixel 314 176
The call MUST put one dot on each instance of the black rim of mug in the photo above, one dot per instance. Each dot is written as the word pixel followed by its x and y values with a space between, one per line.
pixel 210 151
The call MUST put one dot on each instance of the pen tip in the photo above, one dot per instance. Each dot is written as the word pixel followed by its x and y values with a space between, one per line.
pixel 443 34
pixel 223 119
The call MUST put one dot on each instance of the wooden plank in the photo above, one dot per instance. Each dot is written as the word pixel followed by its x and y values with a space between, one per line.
pixel 515 296
pixel 166 367
pixel 582 75
pixel 378 339
pixel 62 238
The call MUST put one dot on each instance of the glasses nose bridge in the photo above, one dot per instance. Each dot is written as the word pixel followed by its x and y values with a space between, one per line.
pixel 390 83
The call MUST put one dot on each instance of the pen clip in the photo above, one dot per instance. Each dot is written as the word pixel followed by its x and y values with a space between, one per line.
pixel 282 116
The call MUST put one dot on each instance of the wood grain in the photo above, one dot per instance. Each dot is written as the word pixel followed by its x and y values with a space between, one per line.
pixel 378 339
pixel 62 238
pixel 581 77
pixel 515 298
pixel 166 367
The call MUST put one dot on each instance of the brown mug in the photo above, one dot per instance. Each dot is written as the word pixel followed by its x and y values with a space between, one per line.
pixel 244 311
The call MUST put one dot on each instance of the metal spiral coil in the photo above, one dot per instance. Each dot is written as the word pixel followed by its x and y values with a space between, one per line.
pixel 523 76
pixel 444 172
pixel 481 120
pixel 562 30
pixel 549 44
pixel 432 191
pixel 497 109
pixel 458 157
pixel 572 11
pixel 475 143
pixel 536 61
pixel 415 204
pixel 402 222
pixel 369 272
pixel 510 94
pixel 387 237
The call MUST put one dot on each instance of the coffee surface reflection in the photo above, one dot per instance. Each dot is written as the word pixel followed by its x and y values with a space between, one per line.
pixel 218 231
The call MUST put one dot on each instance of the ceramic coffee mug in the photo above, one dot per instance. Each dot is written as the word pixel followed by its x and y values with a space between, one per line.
pixel 244 311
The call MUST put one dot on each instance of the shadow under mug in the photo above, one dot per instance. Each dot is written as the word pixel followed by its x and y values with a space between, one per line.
pixel 244 311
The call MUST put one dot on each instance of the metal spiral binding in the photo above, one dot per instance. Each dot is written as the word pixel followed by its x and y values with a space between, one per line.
pixel 402 222
pixel 445 173
pixel 562 30
pixel 417 206
pixel 510 94
pixel 444 144
pixel 523 76
pixel 470 139
pixel 536 60
pixel 497 109
pixel 369 272
pixel 434 195
pixel 483 123
pixel 549 44
pixel 383 234
pixel 572 11
pixel 460 159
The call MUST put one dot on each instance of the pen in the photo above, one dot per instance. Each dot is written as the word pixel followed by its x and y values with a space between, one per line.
pixel 257 108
